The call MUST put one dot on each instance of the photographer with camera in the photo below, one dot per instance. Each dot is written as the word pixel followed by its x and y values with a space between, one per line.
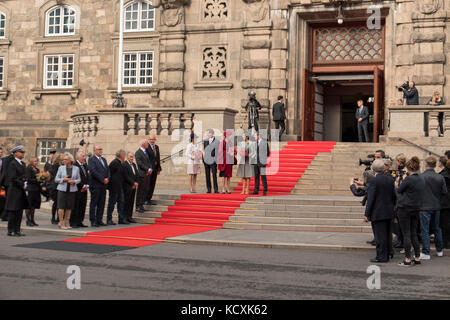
pixel 359 188
pixel 410 93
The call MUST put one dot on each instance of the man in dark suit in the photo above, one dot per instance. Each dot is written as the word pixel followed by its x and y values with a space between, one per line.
pixel 381 199
pixel 211 149
pixel 279 116
pixel 155 159
pixel 115 186
pixel 261 154
pixel 129 188
pixel 411 94
pixel 79 211
pixel 362 116
pixel 4 183
pixel 145 169
pixel 16 198
pixel 98 180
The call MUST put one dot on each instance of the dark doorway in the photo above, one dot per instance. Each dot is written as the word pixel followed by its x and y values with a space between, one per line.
pixel 349 126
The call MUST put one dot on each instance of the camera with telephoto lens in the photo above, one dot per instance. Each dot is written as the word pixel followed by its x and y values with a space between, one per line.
pixel 403 86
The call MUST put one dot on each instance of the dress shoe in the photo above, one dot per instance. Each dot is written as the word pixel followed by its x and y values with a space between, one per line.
pixel 208 191
pixel 94 225
pixel 10 234
pixel 255 192
pixel 111 223
pixel 372 243
pixel 375 260
pixel 74 226
pixel 264 193
pixel 19 234
pixel 123 222
pixel 131 220
pixel 101 224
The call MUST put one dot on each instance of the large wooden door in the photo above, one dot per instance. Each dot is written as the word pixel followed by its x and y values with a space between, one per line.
pixel 378 104
pixel 308 108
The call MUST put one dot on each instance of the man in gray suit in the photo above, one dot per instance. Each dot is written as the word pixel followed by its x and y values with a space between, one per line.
pixel 362 116
pixel 279 116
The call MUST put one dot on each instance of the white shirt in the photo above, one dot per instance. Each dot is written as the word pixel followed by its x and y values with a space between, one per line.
pixel 211 140
pixel 132 167
pixel 81 166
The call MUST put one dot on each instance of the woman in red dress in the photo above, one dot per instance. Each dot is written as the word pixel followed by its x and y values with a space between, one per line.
pixel 226 160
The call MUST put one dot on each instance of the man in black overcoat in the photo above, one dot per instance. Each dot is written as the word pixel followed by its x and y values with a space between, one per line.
pixel 381 199
pixel 279 116
pixel 155 159
pixel 129 188
pixel 4 183
pixel 210 149
pixel 16 198
pixel 115 186
pixel 261 153
pixel 145 169
pixel 98 180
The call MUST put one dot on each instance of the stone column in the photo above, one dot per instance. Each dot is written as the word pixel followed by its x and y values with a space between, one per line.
pixel 172 44
pixel 255 73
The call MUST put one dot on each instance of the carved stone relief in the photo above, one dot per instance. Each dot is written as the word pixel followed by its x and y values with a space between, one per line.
pixel 429 6
pixel 258 9
pixel 172 11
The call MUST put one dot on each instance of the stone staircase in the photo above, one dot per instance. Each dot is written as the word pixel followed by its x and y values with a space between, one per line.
pixel 320 202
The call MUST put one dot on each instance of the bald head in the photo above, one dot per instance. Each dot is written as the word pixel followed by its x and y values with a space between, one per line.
pixel 152 139
pixel 98 151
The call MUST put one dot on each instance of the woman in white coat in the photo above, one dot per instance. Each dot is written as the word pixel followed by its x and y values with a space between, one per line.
pixel 194 155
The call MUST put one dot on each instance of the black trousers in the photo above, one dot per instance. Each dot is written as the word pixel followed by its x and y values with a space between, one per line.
pixel 79 210
pixel 409 219
pixel 151 186
pixel 14 220
pixel 2 206
pixel 142 191
pixel 97 205
pixel 211 169
pixel 445 226
pixel 257 170
pixel 278 124
pixel 129 196
pixel 382 232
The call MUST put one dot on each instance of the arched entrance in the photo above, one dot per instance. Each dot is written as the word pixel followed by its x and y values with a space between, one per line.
pixel 345 63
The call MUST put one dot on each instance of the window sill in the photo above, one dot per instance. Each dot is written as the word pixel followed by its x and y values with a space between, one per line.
pixel 213 85
pixel 5 42
pixel 73 92
pixel 58 39
pixel 131 35
pixel 4 94
pixel 154 91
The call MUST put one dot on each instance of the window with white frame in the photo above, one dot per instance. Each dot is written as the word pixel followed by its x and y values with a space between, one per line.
pixel 58 71
pixel 2 68
pixel 138 69
pixel 139 16
pixel 44 146
pixel 2 24
pixel 60 21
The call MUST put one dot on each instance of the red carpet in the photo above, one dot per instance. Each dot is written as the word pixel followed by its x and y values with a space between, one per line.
pixel 195 213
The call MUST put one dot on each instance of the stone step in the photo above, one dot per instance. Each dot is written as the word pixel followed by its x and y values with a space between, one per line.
pixel 331 187
pixel 299 221
pixel 299 214
pixel 354 201
pixel 310 192
pixel 296 227
pixel 299 208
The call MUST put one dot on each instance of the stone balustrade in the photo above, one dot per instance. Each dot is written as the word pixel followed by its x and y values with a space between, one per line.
pixel 418 121
pixel 85 125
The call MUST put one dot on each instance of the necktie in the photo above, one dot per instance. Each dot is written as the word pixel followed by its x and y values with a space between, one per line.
pixel 132 168
pixel 83 169
pixel 101 161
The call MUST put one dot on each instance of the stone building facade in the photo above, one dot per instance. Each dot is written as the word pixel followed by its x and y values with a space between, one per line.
pixel 196 60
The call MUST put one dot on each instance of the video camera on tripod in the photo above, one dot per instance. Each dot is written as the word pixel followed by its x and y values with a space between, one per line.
pixel 370 158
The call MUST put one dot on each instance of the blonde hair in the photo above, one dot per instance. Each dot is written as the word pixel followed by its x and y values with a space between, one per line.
pixel 30 162
pixel 434 97
pixel 68 155
pixel 57 158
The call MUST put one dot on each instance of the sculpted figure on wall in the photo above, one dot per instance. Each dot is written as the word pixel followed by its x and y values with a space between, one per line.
pixel 258 9
pixel 429 6
pixel 172 11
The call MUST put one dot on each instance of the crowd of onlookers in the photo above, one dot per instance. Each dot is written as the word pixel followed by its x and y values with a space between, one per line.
pixel 411 203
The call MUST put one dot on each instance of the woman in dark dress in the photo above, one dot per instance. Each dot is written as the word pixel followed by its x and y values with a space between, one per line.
pixel 57 161
pixel 34 191
pixel 226 160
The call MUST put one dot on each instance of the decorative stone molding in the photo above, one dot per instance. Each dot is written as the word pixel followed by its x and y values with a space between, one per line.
pixel 214 63
pixel 73 92
pixel 429 6
pixel 4 94
pixel 210 85
pixel 165 85
pixel 256 64
pixel 419 37
pixel 256 44
pixel 173 48
pixel 154 91
pixel 163 67
pixel 429 58
pixel 255 84
pixel 172 103
pixel 172 11
pixel 429 80
pixel 215 10
pixel 258 9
